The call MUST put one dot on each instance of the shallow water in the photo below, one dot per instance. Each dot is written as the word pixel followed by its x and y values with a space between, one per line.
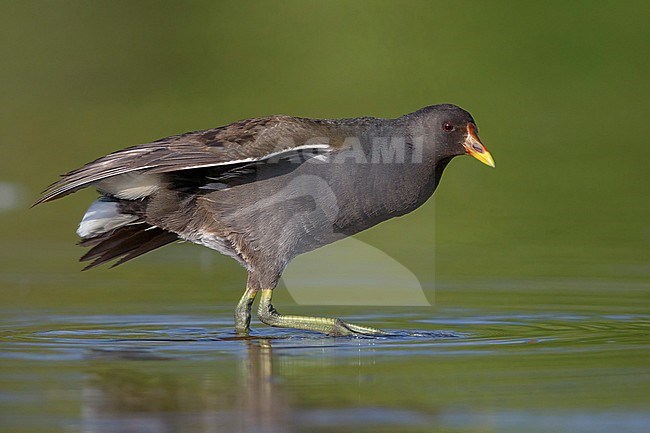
pixel 456 370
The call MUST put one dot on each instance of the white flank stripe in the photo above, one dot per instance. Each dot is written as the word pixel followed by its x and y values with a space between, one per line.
pixel 263 158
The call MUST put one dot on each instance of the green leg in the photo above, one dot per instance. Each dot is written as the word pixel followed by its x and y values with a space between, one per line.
pixel 243 312
pixel 327 325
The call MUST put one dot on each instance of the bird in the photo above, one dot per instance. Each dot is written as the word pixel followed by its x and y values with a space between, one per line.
pixel 264 190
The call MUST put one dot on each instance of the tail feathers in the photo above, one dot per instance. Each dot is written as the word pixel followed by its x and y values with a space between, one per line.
pixel 114 229
pixel 125 243
pixel 103 216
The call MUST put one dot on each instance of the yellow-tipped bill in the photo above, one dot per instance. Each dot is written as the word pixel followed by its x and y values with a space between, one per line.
pixel 474 147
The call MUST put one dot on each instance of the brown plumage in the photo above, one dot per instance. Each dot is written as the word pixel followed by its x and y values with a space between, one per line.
pixel 249 139
pixel 265 190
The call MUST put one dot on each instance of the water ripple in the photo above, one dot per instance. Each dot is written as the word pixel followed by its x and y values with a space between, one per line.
pixel 165 336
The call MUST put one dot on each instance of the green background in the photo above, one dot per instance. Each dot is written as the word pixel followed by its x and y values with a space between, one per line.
pixel 559 92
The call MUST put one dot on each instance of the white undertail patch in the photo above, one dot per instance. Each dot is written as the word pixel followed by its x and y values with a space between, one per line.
pixel 102 216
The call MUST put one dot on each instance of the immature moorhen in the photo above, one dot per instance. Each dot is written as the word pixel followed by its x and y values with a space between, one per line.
pixel 265 190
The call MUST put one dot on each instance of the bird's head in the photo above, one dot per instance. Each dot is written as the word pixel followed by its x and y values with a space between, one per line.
pixel 449 131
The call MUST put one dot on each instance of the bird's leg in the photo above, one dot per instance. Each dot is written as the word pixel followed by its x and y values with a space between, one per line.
pixel 328 325
pixel 243 312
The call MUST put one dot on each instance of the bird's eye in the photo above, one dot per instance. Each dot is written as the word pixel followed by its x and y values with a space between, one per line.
pixel 447 126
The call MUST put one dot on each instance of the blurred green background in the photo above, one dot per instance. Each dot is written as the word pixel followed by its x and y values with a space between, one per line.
pixel 559 91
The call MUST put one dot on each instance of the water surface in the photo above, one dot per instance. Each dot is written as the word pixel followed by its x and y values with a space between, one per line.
pixel 447 369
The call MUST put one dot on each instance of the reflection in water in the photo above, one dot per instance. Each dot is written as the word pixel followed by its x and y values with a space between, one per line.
pixel 492 373
pixel 151 399
pixel 263 406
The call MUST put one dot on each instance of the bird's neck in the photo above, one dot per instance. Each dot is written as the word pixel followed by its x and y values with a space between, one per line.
pixel 413 185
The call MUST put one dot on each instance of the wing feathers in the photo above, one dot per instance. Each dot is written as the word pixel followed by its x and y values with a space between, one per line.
pixel 246 141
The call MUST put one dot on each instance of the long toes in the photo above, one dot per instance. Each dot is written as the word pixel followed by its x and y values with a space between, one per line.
pixel 345 328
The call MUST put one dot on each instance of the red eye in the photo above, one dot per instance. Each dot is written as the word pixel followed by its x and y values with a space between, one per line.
pixel 447 126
